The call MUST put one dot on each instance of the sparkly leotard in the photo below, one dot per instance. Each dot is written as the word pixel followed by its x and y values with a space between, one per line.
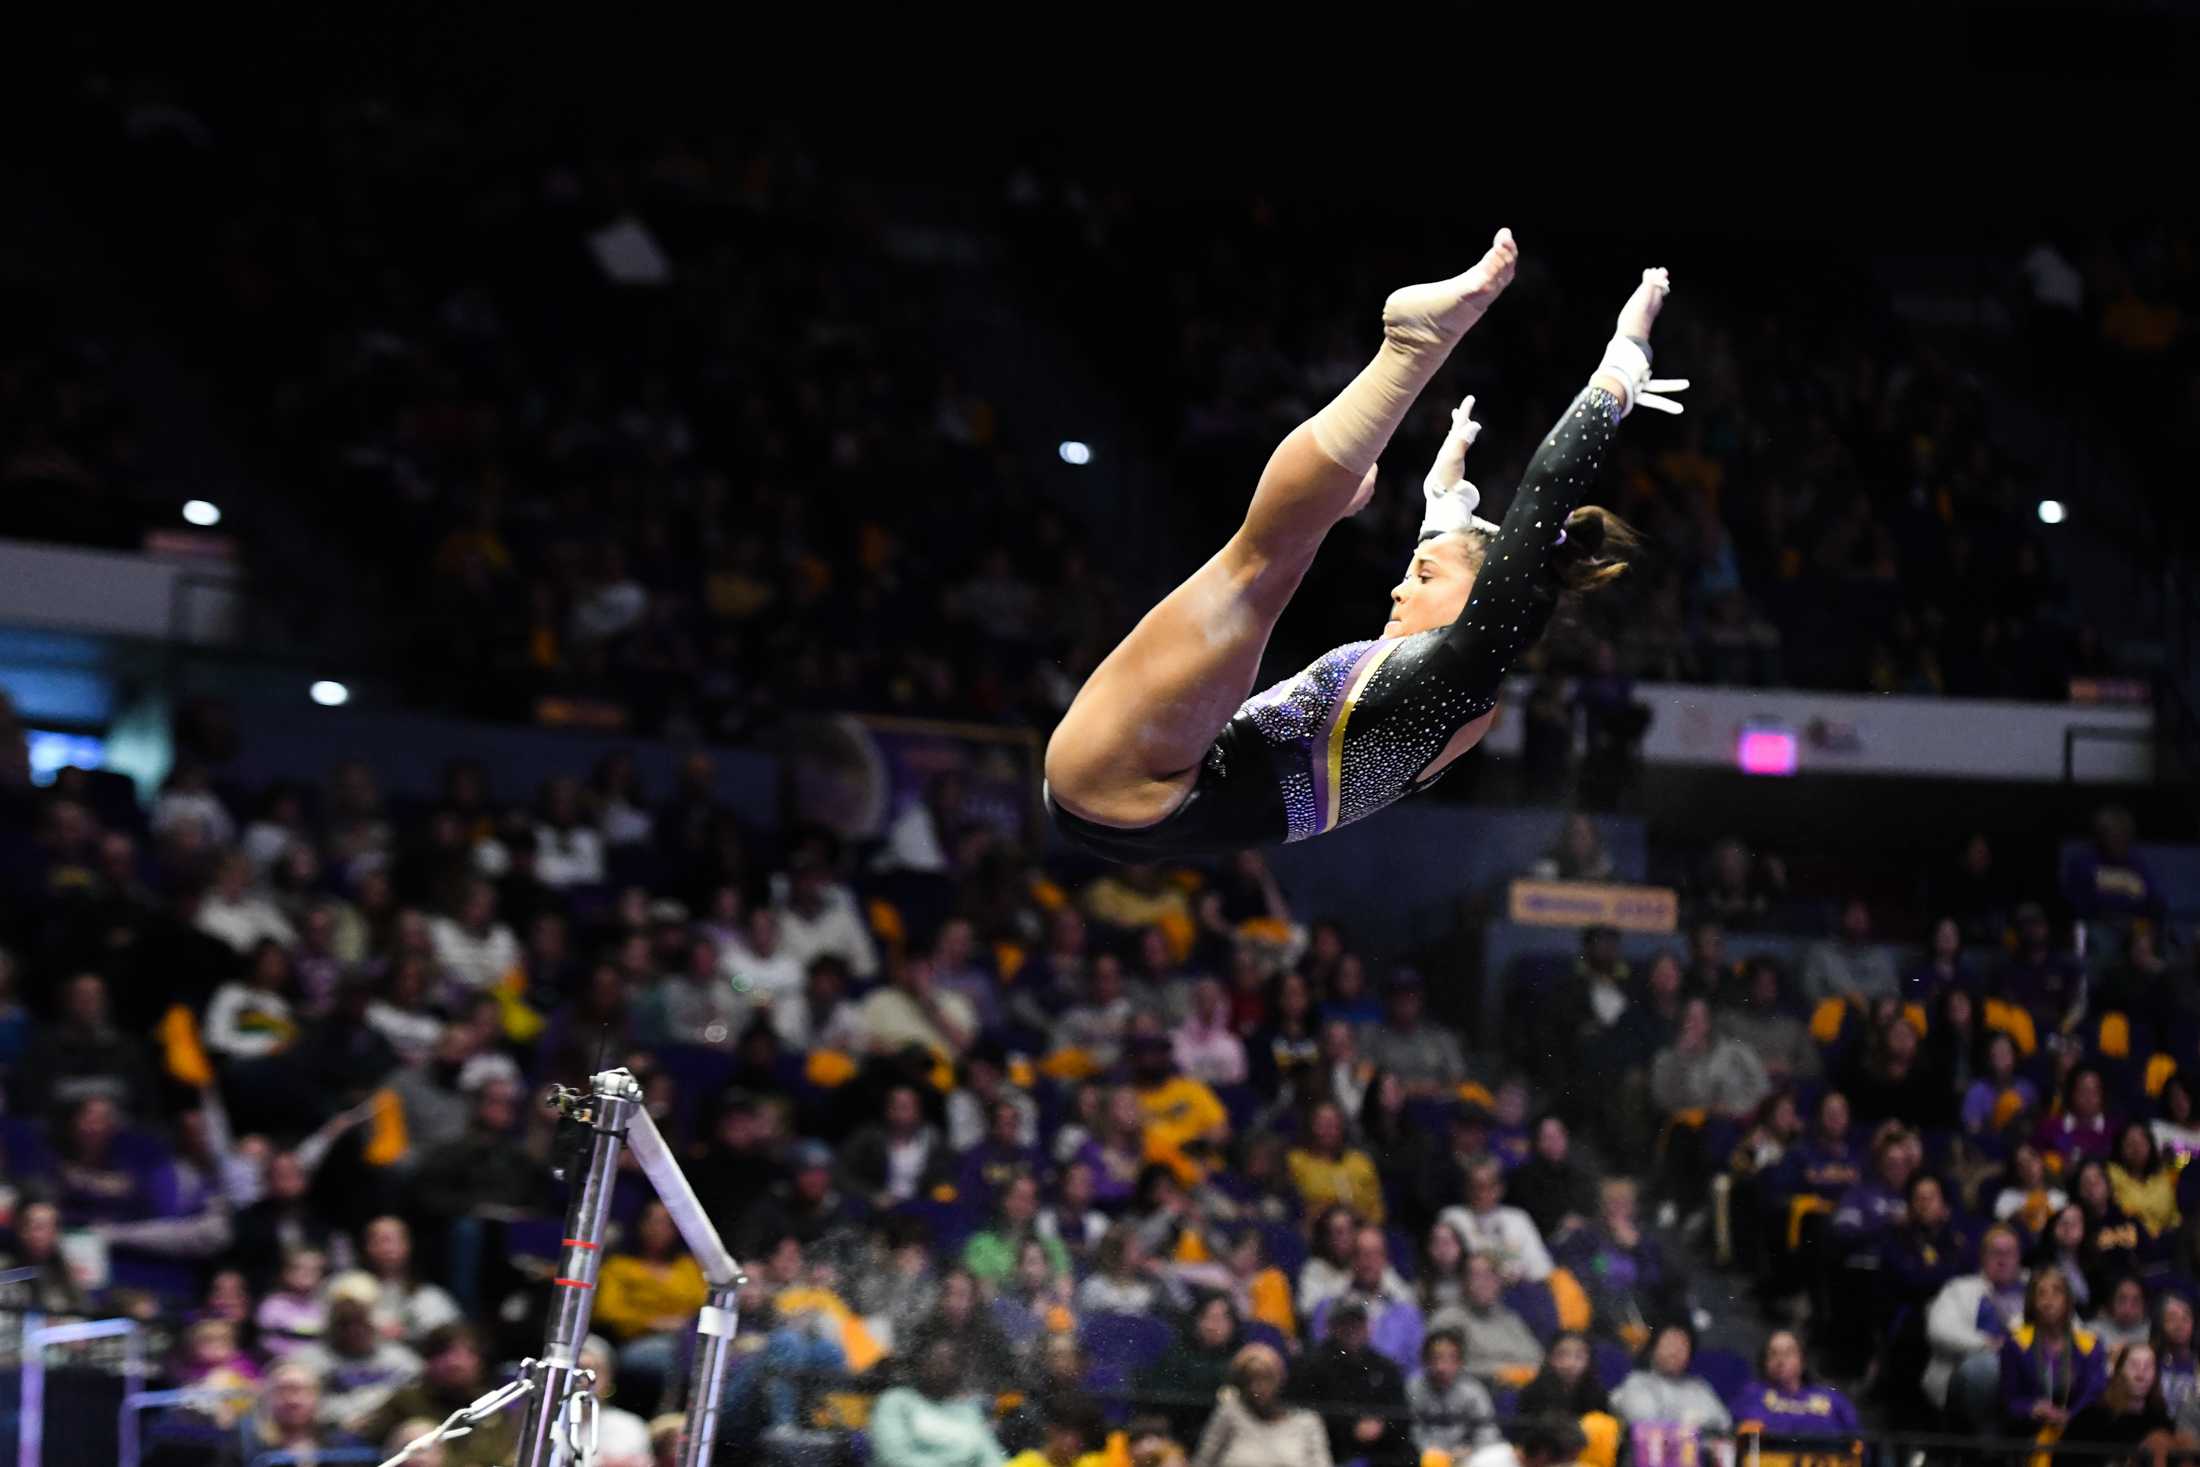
pixel 1352 733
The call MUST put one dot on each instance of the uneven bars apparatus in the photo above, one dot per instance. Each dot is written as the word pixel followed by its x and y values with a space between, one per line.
pixel 613 1114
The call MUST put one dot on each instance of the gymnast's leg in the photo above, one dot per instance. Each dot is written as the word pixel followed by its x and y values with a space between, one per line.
pixel 1129 748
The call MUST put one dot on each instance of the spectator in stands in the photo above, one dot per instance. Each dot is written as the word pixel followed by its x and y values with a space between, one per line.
pixel 697 1006
pixel 1003 1152
pixel 55 1290
pixel 2000 1099
pixel 475 949
pixel 758 965
pixel 1031 1302
pixel 2107 877
pixel 1849 966
pixel 911 1011
pixel 1503 1234
pixel 1784 1402
pixel 1760 1020
pixel 1326 1171
pixel 239 915
pixel 894 1284
pixel 1345 1371
pixel 1943 967
pixel 1577 855
pixel 1327 1272
pixel 451 1377
pixel 2048 983
pixel 1253 1427
pixel 1629 1278
pixel 960 1319
pixel 647 1298
pixel 1877 1204
pixel 933 1421
pixel 2050 1369
pixel 1100 1023
pixel 292 1314
pixel 622 1437
pixel 251 1019
pixel 820 917
pixel 820 1016
pixel 1452 1411
pixel 901 1158
pixel 2026 1198
pixel 1198 1362
pixel 284 1219
pixel 1566 1386
pixel 1703 1071
pixel 1346 997
pixel 1893 1082
pixel 1074 1427
pixel 568 849
pixel 1395 1324
pixel 1207 1047
pixel 2063 1245
pixel 2174 1354
pixel 1924 1251
pixel 958 966
pixel 2177 1125
pixel 485 1168
pixel 2130 1410
pixel 1661 1390
pixel 2115 1244
pixel 1496 1344
pixel 289 1419
pixel 212 1360
pixel 1126 1278
pixel 736 1165
pixel 1556 1192
pixel 2143 1181
pixel 991 1255
pixel 1739 888
pixel 1186 1122
pixel 1135 896
pixel 2125 1320
pixel 2080 1130
pixel 405 1307
pixel 358 1369
pixel 84 1055
pixel 1975 891
pixel 1424 1055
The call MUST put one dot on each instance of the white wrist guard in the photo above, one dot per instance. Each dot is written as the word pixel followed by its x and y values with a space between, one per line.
pixel 1629 360
pixel 1452 501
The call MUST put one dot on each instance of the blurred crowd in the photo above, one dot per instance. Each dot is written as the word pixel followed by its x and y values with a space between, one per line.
pixel 1025 1158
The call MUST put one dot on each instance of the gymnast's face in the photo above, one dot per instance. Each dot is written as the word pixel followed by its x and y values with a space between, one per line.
pixel 1435 589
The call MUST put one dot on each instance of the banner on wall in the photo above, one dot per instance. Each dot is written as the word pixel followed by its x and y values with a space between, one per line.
pixel 855 774
pixel 1595 904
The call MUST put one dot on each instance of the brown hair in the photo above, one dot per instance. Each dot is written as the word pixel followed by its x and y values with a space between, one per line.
pixel 1596 551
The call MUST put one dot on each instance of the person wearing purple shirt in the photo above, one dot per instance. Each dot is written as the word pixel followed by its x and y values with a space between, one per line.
pixel 1982 1102
pixel 1925 1251
pixel 2080 1131
pixel 1875 1205
pixel 1825 1164
pixel 1783 1402
pixel 2108 877
pixel 2050 1369
pixel 986 1168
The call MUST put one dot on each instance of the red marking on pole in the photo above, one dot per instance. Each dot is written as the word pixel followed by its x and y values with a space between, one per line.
pixel 572 1284
pixel 577 1243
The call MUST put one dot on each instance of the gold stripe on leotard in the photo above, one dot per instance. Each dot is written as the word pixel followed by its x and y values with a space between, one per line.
pixel 1334 755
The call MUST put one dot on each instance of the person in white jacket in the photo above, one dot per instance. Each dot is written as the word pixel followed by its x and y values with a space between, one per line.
pixel 251 1019
pixel 474 947
pixel 819 915
pixel 1965 1326
pixel 1504 1235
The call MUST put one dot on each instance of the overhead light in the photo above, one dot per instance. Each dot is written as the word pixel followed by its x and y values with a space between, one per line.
pixel 330 694
pixel 202 513
pixel 2051 512
pixel 1074 452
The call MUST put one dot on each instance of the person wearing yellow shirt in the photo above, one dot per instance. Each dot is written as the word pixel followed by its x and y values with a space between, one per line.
pixel 648 1300
pixel 2144 1184
pixel 1074 1430
pixel 1184 1118
pixel 1326 1171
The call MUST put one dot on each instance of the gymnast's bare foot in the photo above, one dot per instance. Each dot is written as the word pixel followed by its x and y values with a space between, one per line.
pixel 1438 314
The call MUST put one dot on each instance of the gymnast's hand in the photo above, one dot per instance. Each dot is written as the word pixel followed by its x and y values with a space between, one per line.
pixel 1451 500
pixel 1627 357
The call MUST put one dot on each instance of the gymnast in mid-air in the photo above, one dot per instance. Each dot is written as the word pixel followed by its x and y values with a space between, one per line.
pixel 1164 754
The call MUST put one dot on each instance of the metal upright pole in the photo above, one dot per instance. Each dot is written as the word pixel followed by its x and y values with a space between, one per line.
pixel 713 1358
pixel 612 1103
